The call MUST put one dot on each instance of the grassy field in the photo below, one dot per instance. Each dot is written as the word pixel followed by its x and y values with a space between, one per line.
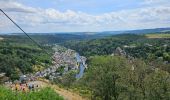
pixel 157 35
pixel 43 94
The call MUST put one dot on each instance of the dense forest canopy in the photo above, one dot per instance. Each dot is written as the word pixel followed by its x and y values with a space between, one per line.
pixel 18 55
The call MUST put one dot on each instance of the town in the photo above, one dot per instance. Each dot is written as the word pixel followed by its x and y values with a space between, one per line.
pixel 64 60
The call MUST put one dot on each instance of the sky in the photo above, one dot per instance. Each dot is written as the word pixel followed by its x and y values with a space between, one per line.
pixel 44 16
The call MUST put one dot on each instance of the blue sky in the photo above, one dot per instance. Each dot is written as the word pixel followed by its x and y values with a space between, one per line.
pixel 84 15
pixel 87 6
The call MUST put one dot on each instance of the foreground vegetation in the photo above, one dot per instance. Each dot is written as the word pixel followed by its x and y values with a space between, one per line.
pixel 43 94
pixel 117 78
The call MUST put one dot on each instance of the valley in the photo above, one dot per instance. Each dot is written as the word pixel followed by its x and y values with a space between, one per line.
pixel 111 67
pixel 84 49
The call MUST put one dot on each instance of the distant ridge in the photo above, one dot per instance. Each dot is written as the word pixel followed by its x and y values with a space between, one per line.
pixel 105 33
pixel 141 31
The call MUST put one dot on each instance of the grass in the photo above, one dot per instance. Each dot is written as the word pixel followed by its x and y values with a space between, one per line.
pixel 43 94
pixel 158 35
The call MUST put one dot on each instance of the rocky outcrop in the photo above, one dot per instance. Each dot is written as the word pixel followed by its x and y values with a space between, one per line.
pixel 119 52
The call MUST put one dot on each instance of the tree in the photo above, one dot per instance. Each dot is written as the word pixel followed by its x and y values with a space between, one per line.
pixel 106 77
pixel 166 56
pixel 68 79
pixel 135 80
pixel 158 85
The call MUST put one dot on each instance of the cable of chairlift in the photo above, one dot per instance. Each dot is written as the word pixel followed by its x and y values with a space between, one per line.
pixel 24 31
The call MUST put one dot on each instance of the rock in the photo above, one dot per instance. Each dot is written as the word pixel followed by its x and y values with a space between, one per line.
pixel 119 52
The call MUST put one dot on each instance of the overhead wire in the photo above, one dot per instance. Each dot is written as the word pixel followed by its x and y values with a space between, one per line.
pixel 24 32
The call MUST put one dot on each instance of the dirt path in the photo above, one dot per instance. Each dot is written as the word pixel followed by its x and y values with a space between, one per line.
pixel 68 95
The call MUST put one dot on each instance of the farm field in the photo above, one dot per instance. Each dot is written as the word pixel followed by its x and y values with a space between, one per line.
pixel 1 38
pixel 157 35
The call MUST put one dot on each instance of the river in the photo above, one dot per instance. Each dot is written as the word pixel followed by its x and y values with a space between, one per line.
pixel 81 66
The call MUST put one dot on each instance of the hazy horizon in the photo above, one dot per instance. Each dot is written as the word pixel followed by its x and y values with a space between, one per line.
pixel 86 32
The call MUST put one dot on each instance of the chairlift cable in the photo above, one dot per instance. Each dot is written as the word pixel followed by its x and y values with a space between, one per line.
pixel 24 31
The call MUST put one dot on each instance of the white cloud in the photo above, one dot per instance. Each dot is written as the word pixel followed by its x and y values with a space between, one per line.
pixel 153 1
pixel 156 2
pixel 52 20
pixel 13 6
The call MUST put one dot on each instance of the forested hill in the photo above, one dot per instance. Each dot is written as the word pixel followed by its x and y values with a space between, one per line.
pixel 102 46
pixel 51 38
pixel 18 55
pixel 107 45
pixel 140 31
pixel 148 47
